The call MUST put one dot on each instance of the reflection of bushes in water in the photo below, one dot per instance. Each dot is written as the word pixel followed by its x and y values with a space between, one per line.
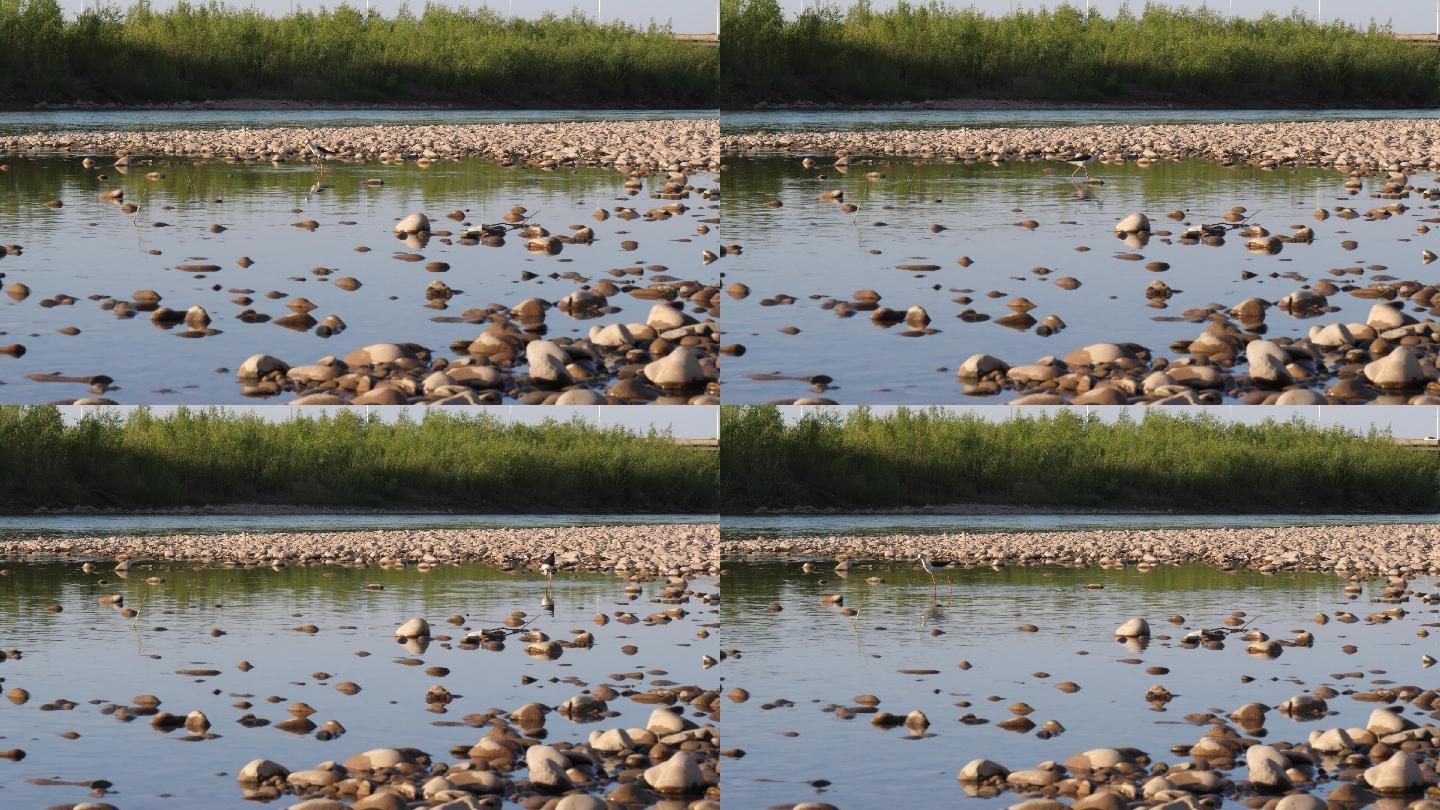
pixel 486 189
pixel 475 57
pixel 977 191
pixel 307 589
pixel 926 457
pixel 750 582
pixel 451 461
pixel 919 51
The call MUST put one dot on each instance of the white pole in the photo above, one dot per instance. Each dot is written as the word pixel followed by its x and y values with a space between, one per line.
pixel 600 11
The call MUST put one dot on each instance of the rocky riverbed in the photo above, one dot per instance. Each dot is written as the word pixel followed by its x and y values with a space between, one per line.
pixel 645 550
pixel 516 286
pixel 676 144
pixel 1389 357
pixel 1101 679
pixel 1363 145
pixel 329 686
pixel 1359 550
pixel 1276 303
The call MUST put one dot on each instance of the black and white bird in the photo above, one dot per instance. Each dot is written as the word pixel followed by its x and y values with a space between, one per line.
pixel 931 566
pixel 321 153
pixel 548 569
pixel 1082 163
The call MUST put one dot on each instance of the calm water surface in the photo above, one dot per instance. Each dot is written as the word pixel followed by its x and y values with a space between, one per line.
pixel 750 526
pixel 90 250
pixel 28 121
pixel 813 656
pixel 851 120
pixel 88 525
pixel 90 653
pixel 811 250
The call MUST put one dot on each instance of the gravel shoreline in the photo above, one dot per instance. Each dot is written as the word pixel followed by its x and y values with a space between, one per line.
pixel 665 549
pixel 1378 144
pixel 1390 550
pixel 674 144
pixel 1387 355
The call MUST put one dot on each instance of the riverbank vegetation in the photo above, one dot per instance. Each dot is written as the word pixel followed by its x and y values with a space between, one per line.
pixel 1192 57
pixel 452 462
pixel 451 55
pixel 857 460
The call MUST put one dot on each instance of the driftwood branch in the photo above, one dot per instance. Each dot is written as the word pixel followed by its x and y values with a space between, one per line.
pixel 1218 228
pixel 499 633
pixel 497 228
pixel 1216 633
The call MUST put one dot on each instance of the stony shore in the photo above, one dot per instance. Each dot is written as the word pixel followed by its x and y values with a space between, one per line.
pixel 586 740
pixel 666 764
pixel 667 355
pixel 1297 741
pixel 1373 338
pixel 1380 144
pixel 675 145
pixel 1390 550
pixel 663 549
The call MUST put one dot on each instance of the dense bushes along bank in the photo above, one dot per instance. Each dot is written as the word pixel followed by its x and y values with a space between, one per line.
pixel 444 461
pixel 915 458
pixel 470 57
pixel 917 52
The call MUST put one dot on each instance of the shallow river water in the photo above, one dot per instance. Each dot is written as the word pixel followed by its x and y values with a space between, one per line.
pixel 90 250
pixel 24 122
pixel 91 655
pixel 16 526
pixel 750 526
pixel 811 655
pixel 811 120
pixel 808 252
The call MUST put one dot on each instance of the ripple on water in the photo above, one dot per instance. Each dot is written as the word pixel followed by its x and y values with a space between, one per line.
pixel 989 661
pixel 78 257
pixel 814 269
pixel 90 652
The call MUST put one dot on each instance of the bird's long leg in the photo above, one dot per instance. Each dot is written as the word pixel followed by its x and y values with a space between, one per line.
pixel 934 586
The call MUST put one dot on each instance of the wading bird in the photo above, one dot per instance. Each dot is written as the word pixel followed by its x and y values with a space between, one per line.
pixel 321 153
pixel 1082 163
pixel 931 566
pixel 548 569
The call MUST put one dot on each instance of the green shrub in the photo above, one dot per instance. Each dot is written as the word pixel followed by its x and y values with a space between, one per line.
pixel 444 461
pixel 473 57
pixel 936 457
pixel 920 51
